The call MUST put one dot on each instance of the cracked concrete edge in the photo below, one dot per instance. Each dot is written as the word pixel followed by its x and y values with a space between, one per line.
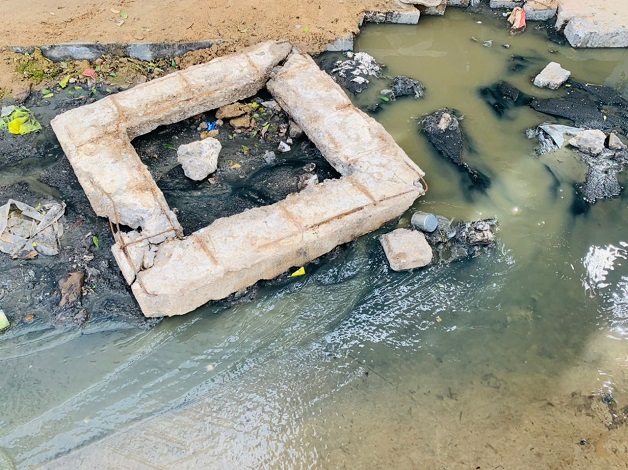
pixel 379 182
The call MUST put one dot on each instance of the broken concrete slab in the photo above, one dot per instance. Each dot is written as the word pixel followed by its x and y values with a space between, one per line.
pixel 406 249
pixel 379 180
pixel 552 76
pixel 199 159
pixel 593 23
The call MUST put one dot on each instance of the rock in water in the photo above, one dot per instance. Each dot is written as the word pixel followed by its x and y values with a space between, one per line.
pixel 444 132
pixel 406 249
pixel 615 143
pixel 199 159
pixel 405 86
pixel 590 141
pixel 552 76
pixel 601 183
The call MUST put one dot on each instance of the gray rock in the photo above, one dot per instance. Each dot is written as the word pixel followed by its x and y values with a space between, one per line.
pixel 552 76
pixel 406 249
pixel 590 141
pixel 614 142
pixel 199 159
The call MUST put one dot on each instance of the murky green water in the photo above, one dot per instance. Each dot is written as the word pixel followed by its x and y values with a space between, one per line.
pixel 354 365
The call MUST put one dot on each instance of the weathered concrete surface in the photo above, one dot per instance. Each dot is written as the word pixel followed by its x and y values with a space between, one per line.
pixel 540 10
pixel 172 275
pixel 552 76
pixel 594 23
pixel 406 249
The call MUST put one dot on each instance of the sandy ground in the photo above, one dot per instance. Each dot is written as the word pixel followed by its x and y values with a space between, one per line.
pixel 238 23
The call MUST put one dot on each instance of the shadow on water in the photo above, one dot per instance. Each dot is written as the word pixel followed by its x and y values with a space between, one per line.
pixel 353 364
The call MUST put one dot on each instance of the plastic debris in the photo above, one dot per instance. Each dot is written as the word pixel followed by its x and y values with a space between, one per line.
pixel 517 20
pixel 91 73
pixel 4 321
pixel 25 229
pixel 298 272
pixel 211 125
pixel 18 120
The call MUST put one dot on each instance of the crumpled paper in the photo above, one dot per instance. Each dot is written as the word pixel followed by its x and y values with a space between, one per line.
pixel 24 229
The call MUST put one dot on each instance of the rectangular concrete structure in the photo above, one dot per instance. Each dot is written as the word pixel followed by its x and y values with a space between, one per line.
pixel 171 274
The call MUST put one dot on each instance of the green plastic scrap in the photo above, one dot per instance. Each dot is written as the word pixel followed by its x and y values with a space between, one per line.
pixel 19 121
pixel 4 321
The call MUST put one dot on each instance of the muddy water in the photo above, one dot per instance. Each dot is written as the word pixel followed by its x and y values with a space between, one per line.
pixel 516 358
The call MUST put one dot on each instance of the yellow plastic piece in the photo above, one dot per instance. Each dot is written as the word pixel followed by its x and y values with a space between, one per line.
pixel 4 321
pixel 298 272
pixel 20 122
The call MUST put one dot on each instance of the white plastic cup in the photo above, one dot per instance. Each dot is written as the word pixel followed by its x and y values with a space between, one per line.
pixel 424 221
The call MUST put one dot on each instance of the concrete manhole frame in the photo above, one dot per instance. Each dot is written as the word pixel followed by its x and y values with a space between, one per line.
pixel 173 274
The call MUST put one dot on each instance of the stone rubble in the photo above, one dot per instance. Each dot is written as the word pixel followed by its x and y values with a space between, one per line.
pixel 552 76
pixel 199 159
pixel 615 143
pixel 590 141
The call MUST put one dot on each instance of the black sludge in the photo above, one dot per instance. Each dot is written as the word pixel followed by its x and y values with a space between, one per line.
pixel 502 96
pixel 444 132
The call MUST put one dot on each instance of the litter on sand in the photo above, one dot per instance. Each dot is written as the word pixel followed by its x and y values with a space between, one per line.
pixel 517 20
pixel 29 231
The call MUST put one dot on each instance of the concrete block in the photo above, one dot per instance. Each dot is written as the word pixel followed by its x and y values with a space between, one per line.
pixel 406 249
